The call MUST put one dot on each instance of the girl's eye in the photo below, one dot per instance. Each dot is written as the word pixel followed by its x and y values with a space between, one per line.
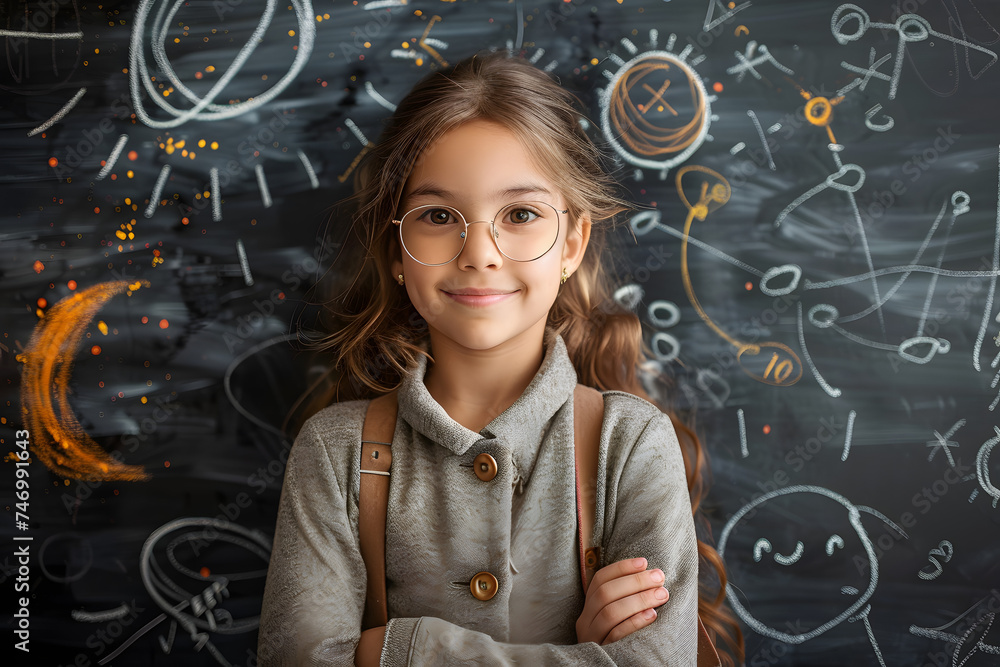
pixel 438 216
pixel 520 216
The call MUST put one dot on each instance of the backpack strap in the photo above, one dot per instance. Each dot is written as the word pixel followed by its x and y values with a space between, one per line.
pixel 588 416
pixel 376 458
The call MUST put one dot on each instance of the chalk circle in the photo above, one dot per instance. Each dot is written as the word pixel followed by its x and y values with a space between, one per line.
pixel 778 364
pixel 854 518
pixel 838 20
pixel 644 222
pixel 673 314
pixel 960 200
pixel 665 338
pixel 818 111
pixel 211 589
pixel 629 296
pixel 936 345
pixel 833 180
pixel 817 318
pixel 655 140
pixel 774 272
pixel 905 25
pixel 204 106
pixel 69 578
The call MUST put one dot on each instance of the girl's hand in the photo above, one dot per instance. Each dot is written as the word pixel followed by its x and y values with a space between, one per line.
pixel 620 600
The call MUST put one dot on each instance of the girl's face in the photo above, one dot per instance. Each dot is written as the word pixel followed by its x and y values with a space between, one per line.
pixel 477 168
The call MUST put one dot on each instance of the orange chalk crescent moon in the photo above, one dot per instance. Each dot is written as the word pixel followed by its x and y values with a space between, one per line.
pixel 58 439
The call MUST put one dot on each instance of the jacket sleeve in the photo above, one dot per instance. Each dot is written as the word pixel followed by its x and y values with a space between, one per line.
pixel 316 581
pixel 648 513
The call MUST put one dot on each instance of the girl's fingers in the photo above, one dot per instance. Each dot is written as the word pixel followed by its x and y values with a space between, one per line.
pixel 618 569
pixel 623 612
pixel 630 625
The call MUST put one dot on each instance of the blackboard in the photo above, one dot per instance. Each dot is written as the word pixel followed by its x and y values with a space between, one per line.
pixel 814 260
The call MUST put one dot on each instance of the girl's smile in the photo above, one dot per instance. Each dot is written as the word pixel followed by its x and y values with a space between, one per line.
pixel 480 297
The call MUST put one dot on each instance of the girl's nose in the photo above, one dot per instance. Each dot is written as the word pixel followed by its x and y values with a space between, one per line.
pixel 480 247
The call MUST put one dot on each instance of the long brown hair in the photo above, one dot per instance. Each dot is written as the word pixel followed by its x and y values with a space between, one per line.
pixel 374 331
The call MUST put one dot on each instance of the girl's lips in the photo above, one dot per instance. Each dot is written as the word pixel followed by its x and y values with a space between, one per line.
pixel 484 300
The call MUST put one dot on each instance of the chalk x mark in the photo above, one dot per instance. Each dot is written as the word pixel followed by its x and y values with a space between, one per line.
pixel 942 442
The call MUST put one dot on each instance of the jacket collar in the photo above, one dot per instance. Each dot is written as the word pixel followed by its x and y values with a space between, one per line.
pixel 518 426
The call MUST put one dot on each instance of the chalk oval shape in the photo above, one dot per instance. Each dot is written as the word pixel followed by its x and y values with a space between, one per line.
pixel 774 272
pixel 936 345
pixel 673 349
pixel 673 313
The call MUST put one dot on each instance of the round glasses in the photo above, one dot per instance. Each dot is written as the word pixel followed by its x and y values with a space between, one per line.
pixel 434 234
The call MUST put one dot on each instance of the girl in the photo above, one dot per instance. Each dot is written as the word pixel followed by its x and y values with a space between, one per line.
pixel 481 293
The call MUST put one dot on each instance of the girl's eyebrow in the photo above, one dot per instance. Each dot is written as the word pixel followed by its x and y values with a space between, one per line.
pixel 434 190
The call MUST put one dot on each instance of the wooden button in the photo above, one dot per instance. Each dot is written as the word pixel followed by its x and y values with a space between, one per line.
pixel 484 586
pixel 485 467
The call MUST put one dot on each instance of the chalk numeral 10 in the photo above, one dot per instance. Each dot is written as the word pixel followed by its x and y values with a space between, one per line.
pixel 781 372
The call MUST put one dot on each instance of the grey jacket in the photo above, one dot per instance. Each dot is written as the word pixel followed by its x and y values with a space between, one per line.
pixel 445 525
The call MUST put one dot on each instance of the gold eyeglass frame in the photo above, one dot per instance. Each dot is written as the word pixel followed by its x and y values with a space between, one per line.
pixel 465 233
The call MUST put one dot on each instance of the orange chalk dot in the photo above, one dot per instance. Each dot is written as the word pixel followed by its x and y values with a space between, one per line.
pixel 95 350
pixel 53 162
pixel 717 86
pixel 204 572
pixel 749 285
pixel 166 464
pixel 133 155
pixel 42 302
pixel 145 319
pixel 766 429
pixel 71 284
pixel 38 266
pixel 164 324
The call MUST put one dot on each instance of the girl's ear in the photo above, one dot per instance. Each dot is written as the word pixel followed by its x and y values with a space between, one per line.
pixel 577 239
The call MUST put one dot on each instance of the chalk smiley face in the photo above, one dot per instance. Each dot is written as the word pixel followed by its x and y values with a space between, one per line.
pixel 776 542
